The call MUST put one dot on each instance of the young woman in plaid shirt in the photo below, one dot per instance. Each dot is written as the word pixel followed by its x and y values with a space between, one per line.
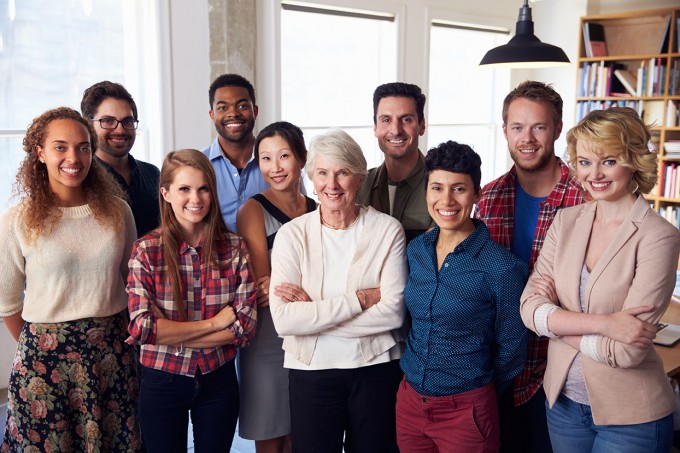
pixel 192 303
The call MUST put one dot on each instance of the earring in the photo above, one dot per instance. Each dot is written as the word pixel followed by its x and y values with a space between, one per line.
pixel 635 184
pixel 41 160
pixel 314 192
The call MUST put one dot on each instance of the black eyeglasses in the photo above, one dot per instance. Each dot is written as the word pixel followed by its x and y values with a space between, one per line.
pixel 112 123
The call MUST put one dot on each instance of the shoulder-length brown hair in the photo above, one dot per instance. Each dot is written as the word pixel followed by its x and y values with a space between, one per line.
pixel 39 210
pixel 171 233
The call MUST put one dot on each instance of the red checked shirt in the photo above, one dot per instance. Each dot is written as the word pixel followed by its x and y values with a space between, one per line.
pixel 497 209
pixel 206 291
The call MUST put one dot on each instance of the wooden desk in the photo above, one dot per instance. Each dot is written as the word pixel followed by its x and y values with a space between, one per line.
pixel 671 354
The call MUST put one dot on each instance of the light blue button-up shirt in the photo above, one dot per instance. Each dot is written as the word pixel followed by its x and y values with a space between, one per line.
pixel 234 189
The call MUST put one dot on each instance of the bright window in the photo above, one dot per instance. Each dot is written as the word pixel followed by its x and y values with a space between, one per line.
pixel 329 71
pixel 465 101
pixel 50 52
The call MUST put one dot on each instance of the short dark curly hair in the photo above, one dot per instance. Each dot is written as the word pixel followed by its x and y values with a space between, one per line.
pixel 456 158
pixel 230 80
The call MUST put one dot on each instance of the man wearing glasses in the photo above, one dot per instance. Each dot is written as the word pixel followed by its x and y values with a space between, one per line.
pixel 113 113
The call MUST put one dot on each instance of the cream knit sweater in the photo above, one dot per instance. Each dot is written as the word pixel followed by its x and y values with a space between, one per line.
pixel 77 271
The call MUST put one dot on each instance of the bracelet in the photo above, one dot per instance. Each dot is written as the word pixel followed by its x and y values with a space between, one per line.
pixel 362 302
pixel 180 350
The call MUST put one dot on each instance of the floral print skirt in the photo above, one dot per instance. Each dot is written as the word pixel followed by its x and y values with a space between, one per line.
pixel 73 387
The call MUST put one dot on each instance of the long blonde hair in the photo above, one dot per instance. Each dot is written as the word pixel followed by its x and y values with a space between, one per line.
pixel 171 233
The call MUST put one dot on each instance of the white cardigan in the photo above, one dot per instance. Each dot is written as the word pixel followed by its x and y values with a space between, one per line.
pixel 379 261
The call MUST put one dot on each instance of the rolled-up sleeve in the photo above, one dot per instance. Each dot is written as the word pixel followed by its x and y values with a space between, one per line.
pixel 245 300
pixel 655 276
pixel 141 293
pixel 531 300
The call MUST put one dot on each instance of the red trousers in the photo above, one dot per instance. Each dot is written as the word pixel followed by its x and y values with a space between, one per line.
pixel 466 422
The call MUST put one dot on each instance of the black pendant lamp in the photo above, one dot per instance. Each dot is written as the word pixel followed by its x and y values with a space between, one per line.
pixel 525 50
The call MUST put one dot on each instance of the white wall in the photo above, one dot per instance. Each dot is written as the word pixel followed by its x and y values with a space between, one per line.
pixel 619 6
pixel 186 74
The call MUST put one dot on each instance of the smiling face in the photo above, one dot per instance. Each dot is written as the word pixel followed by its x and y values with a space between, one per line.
pixel 67 154
pixel 116 142
pixel 278 164
pixel 397 127
pixel 604 177
pixel 450 200
pixel 234 114
pixel 335 186
pixel 531 133
pixel 189 196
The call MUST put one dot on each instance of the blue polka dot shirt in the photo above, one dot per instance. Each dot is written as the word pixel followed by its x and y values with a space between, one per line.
pixel 466 329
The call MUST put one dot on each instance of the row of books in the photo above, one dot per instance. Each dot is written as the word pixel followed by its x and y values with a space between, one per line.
pixel 670 213
pixel 674 83
pixel 585 107
pixel 672 114
pixel 651 77
pixel 669 181
pixel 601 79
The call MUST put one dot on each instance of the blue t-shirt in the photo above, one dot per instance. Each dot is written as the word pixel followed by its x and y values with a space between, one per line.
pixel 466 329
pixel 526 219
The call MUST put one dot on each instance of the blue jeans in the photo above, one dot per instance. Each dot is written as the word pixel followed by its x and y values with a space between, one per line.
pixel 572 431
pixel 166 400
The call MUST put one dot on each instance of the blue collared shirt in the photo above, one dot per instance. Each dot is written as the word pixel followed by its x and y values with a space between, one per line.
pixel 466 329
pixel 234 188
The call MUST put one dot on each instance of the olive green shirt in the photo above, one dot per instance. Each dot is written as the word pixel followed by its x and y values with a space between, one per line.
pixel 409 208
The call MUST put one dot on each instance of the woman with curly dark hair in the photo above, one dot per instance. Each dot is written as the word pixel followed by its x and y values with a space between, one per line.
pixel 73 385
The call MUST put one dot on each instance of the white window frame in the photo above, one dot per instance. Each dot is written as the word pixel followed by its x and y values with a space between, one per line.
pixel 412 54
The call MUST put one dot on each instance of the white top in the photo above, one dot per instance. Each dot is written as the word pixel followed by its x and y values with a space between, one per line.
pixel 392 192
pixel 379 260
pixel 333 351
pixel 78 270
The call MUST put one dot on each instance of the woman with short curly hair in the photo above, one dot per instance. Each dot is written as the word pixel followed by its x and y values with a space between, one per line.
pixel 73 385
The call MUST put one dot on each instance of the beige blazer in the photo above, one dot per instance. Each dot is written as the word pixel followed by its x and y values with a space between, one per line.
pixel 379 261
pixel 638 268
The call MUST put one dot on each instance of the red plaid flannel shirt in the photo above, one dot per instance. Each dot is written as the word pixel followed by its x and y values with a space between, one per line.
pixel 497 209
pixel 206 291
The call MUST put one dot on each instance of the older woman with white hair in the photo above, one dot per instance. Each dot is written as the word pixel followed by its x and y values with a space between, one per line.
pixel 338 277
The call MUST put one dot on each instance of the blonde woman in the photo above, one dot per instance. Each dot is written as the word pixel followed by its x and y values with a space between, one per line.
pixel 604 277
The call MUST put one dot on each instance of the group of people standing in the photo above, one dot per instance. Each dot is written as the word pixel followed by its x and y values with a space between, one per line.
pixel 410 310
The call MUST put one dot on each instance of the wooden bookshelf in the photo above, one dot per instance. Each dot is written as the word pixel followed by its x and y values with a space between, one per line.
pixel 635 40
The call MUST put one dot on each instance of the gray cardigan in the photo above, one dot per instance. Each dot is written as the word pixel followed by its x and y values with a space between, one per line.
pixel 379 261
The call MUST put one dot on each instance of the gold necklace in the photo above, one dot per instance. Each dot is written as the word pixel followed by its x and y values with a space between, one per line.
pixel 324 223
